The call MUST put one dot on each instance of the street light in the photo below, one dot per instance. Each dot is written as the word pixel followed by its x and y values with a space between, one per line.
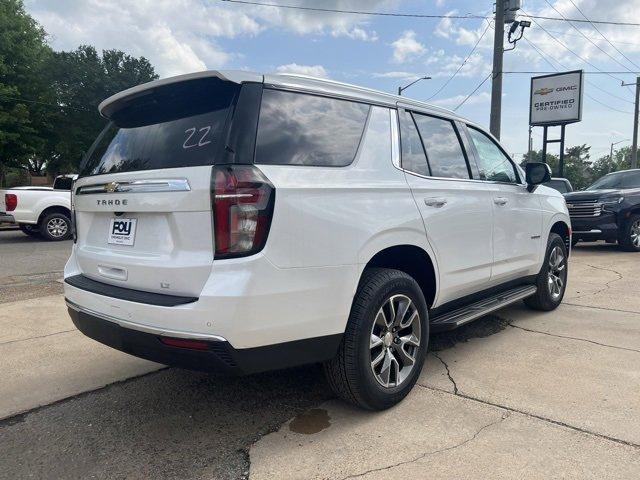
pixel 402 89
pixel 611 151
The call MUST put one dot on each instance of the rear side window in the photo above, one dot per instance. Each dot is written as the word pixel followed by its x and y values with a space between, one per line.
pixel 413 156
pixel 444 152
pixel 304 129
pixel 178 125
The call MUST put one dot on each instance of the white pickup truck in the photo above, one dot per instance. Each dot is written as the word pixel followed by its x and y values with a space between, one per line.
pixel 44 211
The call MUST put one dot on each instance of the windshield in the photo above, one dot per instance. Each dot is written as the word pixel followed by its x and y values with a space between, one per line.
pixel 611 181
pixel 179 125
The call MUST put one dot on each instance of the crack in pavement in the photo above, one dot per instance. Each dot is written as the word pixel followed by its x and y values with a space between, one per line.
pixel 533 415
pixel 39 336
pixel 455 385
pixel 601 308
pixel 607 285
pixel 502 418
pixel 571 338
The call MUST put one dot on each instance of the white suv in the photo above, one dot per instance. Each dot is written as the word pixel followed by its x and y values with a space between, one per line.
pixel 237 222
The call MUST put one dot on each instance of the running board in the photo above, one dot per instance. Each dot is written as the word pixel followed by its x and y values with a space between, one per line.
pixel 460 316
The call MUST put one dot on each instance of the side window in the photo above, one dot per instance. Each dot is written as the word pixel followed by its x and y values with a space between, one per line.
pixel 493 164
pixel 303 129
pixel 444 152
pixel 376 142
pixel 413 156
pixel 631 180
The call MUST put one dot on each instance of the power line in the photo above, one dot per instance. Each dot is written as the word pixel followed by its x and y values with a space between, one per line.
pixel 463 63
pixel 587 38
pixel 354 12
pixel 603 36
pixel 472 93
pixel 418 15
pixel 561 43
pixel 26 100
pixel 586 72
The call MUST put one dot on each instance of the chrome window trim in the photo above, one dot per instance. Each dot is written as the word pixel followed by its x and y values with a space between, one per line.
pixel 145 328
pixel 151 185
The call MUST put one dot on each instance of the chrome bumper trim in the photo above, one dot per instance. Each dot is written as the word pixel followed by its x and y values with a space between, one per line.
pixel 145 328
pixel 587 231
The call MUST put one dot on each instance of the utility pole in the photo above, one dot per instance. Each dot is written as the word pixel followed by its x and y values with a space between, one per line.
pixel 530 146
pixel 634 148
pixel 496 76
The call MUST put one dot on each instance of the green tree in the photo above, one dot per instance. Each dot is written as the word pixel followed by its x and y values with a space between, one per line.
pixel 23 93
pixel 82 79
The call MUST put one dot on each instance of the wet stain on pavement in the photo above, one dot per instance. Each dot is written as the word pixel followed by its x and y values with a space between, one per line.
pixel 310 422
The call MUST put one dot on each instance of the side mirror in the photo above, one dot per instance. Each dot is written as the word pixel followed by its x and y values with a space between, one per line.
pixel 537 173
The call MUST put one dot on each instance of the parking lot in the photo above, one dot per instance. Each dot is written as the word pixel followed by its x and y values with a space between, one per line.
pixel 514 394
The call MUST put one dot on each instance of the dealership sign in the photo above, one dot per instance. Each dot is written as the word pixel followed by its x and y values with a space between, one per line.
pixel 556 99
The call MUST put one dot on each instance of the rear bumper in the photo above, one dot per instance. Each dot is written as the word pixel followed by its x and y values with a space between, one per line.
pixel 6 218
pixel 218 355
pixel 603 227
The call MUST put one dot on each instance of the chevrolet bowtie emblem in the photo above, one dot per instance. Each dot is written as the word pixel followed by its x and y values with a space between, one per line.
pixel 111 187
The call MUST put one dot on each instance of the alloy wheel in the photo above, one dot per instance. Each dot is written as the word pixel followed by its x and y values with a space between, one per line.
pixel 57 227
pixel 635 234
pixel 395 341
pixel 557 272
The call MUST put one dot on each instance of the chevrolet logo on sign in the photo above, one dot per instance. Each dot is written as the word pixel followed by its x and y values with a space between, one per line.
pixel 543 91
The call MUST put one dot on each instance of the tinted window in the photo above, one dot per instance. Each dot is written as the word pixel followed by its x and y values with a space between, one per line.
pixel 413 157
pixel 63 183
pixel 179 125
pixel 558 185
pixel 631 180
pixel 301 129
pixel 493 164
pixel 444 152
pixel 608 181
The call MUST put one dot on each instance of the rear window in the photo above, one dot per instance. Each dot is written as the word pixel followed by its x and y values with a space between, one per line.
pixel 63 183
pixel 177 125
pixel 304 129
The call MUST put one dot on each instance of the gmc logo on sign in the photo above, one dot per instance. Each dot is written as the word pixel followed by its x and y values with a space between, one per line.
pixel 121 228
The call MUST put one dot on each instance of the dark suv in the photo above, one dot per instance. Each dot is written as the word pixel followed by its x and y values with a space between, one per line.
pixel 608 210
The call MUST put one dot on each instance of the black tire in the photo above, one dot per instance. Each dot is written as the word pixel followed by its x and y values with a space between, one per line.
pixel 350 374
pixel 628 236
pixel 544 299
pixel 49 232
pixel 28 229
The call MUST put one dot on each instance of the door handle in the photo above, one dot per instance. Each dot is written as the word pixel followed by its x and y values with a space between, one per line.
pixel 435 202
pixel 500 201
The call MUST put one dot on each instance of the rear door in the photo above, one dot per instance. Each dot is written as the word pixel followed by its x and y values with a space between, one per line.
pixel 143 202
pixel 456 210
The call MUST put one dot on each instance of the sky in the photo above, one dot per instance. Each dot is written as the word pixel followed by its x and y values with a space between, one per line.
pixel 381 52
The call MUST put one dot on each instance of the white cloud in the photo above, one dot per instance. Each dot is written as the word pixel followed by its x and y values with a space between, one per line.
pixel 311 70
pixel 452 102
pixel 396 74
pixel 407 47
pixel 182 36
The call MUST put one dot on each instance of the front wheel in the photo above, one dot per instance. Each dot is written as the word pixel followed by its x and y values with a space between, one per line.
pixel 552 279
pixel 385 342
pixel 629 239
pixel 27 229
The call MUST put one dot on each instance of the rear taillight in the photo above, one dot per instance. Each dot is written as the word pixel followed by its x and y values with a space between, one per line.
pixel 243 201
pixel 10 201
pixel 74 227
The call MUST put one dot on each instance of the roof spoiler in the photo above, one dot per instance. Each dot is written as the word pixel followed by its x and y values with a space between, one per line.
pixel 116 102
